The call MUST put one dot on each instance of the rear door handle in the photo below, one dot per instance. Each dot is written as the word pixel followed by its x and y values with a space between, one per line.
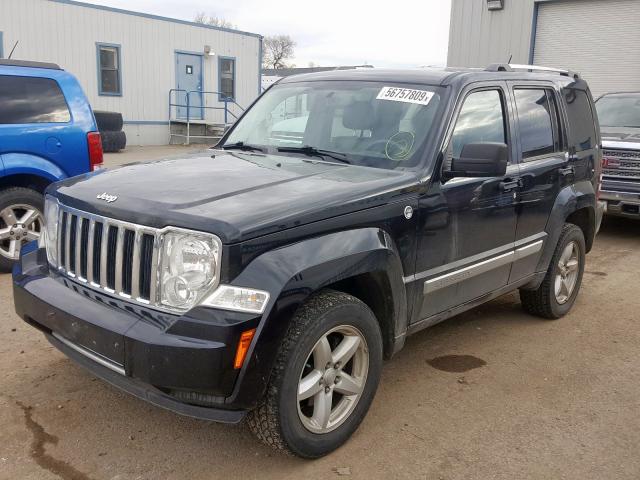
pixel 509 184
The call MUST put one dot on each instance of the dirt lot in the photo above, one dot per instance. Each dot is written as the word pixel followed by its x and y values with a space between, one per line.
pixel 534 399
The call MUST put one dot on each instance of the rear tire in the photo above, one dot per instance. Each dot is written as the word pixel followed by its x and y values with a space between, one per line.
pixel 21 221
pixel 559 289
pixel 285 421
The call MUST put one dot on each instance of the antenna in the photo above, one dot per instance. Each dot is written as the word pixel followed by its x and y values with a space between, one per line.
pixel 510 57
pixel 13 49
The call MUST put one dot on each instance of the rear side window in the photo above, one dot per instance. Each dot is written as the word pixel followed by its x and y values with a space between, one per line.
pixel 537 122
pixel 582 132
pixel 31 100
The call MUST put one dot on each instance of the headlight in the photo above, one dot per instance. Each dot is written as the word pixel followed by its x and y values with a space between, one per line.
pixel 49 238
pixel 189 268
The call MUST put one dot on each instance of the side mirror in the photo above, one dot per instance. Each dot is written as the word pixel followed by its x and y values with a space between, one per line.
pixel 486 159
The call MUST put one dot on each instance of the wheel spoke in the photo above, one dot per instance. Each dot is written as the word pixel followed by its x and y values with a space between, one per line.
pixel 572 265
pixel 564 287
pixel 322 354
pixel 310 385
pixel 346 349
pixel 8 216
pixel 566 254
pixel 4 233
pixel 29 217
pixel 322 408
pixel 14 248
pixel 347 385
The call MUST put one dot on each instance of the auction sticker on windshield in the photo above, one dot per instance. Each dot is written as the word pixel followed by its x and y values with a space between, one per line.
pixel 407 95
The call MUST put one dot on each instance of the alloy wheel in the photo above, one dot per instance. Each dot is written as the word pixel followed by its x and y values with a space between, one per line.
pixel 19 224
pixel 567 273
pixel 332 379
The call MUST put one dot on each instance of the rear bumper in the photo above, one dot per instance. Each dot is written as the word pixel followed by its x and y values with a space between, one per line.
pixel 182 363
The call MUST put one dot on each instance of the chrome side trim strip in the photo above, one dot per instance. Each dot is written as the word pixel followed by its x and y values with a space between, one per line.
pixel 457 276
pixel 91 355
pixel 528 250
pixel 479 264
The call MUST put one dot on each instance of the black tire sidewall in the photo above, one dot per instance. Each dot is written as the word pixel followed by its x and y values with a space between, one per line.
pixel 15 196
pixel 574 235
pixel 300 440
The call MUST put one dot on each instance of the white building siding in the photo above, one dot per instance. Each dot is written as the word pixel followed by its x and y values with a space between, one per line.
pixel 66 33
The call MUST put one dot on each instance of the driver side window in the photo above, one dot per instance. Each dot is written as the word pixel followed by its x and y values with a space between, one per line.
pixel 481 119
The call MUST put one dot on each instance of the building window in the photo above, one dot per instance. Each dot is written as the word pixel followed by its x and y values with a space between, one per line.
pixel 227 78
pixel 109 74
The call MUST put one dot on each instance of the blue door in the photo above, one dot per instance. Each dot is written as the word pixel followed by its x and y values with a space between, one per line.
pixel 189 80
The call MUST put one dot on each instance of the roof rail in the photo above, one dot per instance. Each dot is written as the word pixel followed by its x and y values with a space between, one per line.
pixel 27 63
pixel 512 67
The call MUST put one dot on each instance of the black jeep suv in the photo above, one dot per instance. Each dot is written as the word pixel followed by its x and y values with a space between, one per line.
pixel 343 212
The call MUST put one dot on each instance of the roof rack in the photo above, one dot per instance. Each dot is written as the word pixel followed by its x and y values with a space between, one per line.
pixel 512 67
pixel 27 63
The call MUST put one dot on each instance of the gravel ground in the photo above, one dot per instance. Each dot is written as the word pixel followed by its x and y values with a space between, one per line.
pixel 493 393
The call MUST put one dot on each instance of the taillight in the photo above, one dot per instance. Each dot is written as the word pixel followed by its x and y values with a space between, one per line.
pixel 95 150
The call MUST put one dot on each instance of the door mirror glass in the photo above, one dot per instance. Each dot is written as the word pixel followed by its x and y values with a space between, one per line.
pixel 488 159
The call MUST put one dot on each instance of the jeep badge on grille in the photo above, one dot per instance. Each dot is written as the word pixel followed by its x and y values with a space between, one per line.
pixel 106 197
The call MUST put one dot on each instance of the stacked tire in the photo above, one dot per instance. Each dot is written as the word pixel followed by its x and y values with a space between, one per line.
pixel 110 128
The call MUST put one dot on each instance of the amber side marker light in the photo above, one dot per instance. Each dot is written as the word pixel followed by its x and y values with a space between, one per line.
pixel 243 347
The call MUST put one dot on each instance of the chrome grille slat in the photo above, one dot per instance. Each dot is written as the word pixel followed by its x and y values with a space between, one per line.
pixel 119 260
pixel 67 245
pixel 103 254
pixel 94 255
pixel 92 229
pixel 135 266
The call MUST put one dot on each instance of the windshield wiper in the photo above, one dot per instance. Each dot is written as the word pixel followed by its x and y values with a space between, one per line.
pixel 242 146
pixel 316 152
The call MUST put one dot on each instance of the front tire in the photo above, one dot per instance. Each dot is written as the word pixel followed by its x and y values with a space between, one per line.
pixel 21 221
pixel 559 289
pixel 324 379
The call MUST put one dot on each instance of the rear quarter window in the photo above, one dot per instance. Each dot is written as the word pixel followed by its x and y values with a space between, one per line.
pixel 27 100
pixel 582 133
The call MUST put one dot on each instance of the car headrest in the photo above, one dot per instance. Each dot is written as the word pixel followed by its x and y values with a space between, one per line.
pixel 358 116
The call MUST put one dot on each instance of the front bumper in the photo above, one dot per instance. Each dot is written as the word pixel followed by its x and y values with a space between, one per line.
pixel 621 204
pixel 181 363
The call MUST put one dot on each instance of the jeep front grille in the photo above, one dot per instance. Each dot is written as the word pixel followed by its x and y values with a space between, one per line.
pixel 118 257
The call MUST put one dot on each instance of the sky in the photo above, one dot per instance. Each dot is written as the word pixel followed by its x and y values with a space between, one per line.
pixel 400 34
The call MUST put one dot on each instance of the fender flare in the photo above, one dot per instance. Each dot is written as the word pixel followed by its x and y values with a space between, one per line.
pixel 27 164
pixel 292 273
pixel 569 200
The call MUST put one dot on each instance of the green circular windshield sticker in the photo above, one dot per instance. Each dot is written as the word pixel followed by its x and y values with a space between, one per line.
pixel 399 146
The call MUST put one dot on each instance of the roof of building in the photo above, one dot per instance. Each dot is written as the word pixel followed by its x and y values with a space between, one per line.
pixel 286 72
pixel 27 63
pixel 155 17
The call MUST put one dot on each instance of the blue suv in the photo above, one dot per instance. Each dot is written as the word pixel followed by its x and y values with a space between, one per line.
pixel 47 133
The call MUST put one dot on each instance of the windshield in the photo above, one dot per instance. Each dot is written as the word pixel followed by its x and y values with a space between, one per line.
pixel 366 123
pixel 619 110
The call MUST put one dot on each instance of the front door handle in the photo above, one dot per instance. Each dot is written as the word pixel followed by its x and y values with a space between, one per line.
pixel 567 171
pixel 509 184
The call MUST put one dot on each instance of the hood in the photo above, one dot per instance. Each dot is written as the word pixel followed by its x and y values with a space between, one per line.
pixel 620 137
pixel 234 195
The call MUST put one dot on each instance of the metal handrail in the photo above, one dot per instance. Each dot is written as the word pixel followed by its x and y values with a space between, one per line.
pixel 189 106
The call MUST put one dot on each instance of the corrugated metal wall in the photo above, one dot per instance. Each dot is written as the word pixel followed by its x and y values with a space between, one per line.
pixel 600 39
pixel 67 33
pixel 479 37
